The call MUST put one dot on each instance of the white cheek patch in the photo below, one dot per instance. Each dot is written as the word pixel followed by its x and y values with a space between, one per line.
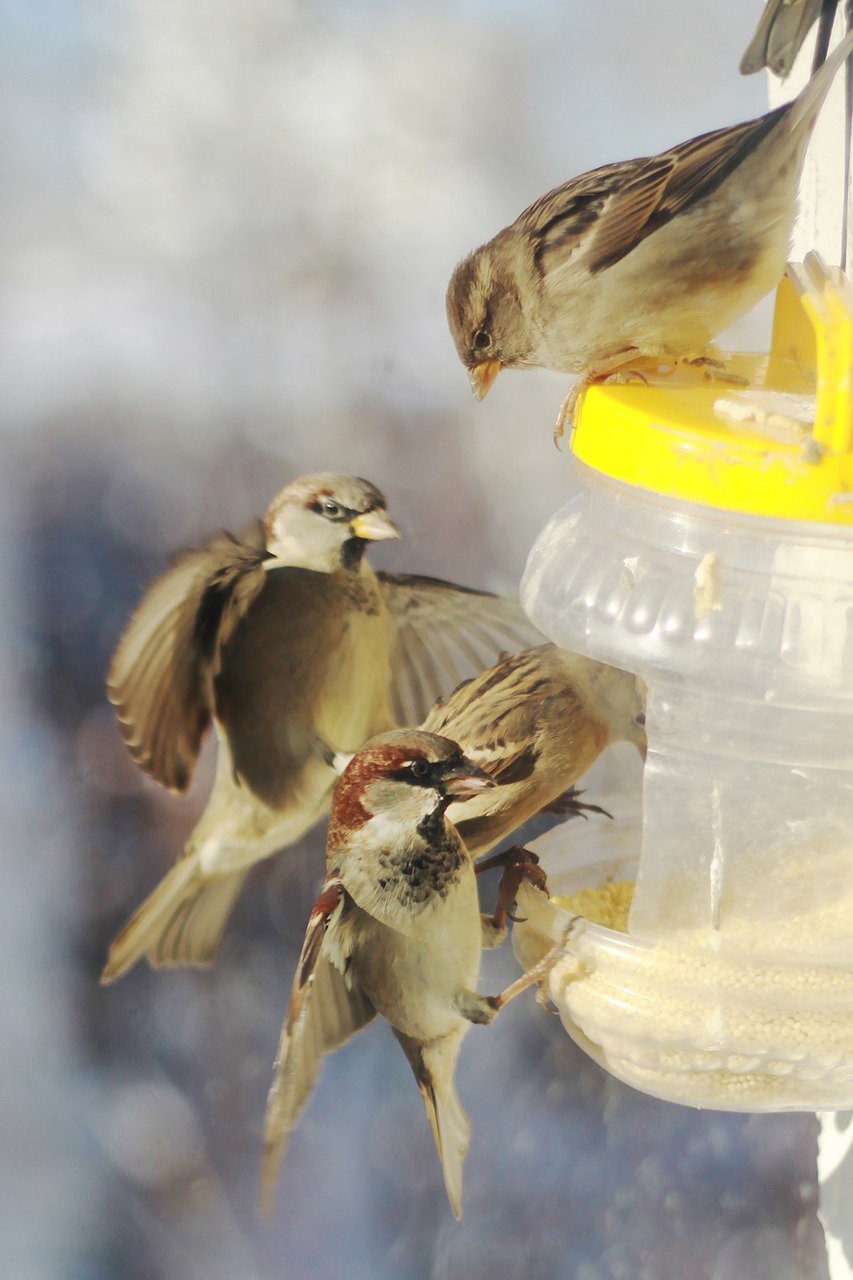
pixel 394 829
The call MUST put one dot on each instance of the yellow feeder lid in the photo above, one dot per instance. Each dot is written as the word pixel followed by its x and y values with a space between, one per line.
pixel 780 444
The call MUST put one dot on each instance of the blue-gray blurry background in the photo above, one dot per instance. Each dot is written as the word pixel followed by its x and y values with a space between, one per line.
pixel 228 227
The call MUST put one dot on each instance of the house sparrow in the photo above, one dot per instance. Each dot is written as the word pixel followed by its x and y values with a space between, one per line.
pixel 780 33
pixel 290 643
pixel 641 262
pixel 534 723
pixel 396 931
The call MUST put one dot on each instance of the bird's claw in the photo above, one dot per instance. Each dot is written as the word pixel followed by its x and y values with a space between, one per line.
pixel 570 408
pixel 518 865
pixel 569 804
pixel 623 376
pixel 566 412
pixel 654 362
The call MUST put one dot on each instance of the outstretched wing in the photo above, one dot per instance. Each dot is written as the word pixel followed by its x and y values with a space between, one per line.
pixel 159 679
pixel 323 1013
pixel 445 634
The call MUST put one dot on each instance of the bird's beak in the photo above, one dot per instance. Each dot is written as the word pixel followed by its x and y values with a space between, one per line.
pixel 374 526
pixel 465 780
pixel 482 377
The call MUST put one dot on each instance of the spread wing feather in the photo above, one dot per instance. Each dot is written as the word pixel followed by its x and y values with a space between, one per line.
pixel 444 633
pixel 324 1012
pixel 159 679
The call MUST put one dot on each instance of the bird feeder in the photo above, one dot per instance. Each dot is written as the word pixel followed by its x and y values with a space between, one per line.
pixel 711 552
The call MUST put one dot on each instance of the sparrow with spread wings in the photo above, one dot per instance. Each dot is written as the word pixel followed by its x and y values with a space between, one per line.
pixel 293 647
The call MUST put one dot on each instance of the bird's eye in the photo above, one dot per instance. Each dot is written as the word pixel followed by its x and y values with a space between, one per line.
pixel 419 768
pixel 482 340
pixel 640 718
pixel 330 508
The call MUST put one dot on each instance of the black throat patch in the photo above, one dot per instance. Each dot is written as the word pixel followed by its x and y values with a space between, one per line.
pixel 428 870
pixel 352 552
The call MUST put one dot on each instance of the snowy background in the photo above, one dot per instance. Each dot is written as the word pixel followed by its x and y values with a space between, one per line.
pixel 227 232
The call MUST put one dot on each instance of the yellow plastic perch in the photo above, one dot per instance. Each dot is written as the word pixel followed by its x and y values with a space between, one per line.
pixel 781 445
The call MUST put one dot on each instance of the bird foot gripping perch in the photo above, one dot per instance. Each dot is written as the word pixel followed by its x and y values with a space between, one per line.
pixel 534 976
pixel 648 367
pixel 519 865
pixel 570 407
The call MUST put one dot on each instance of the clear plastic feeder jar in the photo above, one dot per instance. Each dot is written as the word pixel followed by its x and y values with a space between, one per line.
pixel 732 986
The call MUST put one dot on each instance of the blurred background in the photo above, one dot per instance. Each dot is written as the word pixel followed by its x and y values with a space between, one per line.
pixel 227 233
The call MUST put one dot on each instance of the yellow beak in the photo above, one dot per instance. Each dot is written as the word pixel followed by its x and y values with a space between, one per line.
pixel 482 377
pixel 374 526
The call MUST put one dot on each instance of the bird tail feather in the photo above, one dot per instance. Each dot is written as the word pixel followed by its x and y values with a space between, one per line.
pixel 804 109
pixel 180 923
pixel 451 1130
pixel 433 1063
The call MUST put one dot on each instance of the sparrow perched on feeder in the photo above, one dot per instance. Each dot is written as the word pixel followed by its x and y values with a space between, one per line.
pixel 780 33
pixel 396 931
pixel 534 723
pixel 290 643
pixel 642 262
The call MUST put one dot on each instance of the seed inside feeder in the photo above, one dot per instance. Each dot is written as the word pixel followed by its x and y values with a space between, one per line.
pixel 607 905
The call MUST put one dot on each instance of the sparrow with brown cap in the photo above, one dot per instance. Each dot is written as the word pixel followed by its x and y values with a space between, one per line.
pixel 396 931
